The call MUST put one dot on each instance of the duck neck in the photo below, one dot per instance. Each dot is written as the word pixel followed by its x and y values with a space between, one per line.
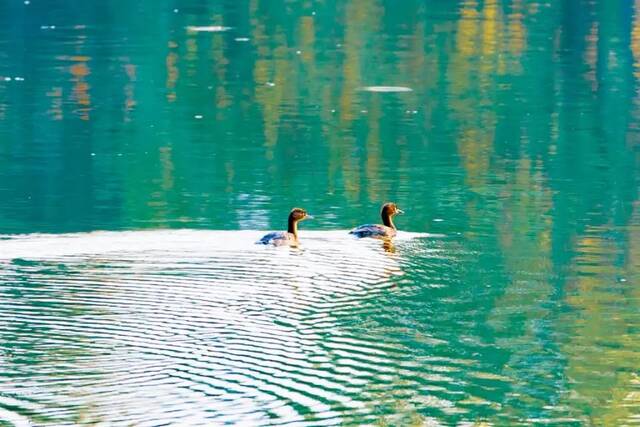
pixel 387 220
pixel 293 227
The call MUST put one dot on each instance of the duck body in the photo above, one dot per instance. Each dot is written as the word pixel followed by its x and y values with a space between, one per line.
pixel 289 237
pixel 386 230
pixel 378 231
pixel 278 238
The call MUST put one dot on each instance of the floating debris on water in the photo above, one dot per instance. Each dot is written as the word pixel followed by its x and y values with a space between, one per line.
pixel 208 28
pixel 387 89
pixel 242 39
pixel 175 10
pixel 270 84
pixel 47 27
pixel 198 116
pixel 7 79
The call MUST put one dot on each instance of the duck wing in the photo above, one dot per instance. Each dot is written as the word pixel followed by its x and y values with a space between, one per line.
pixel 373 230
pixel 273 238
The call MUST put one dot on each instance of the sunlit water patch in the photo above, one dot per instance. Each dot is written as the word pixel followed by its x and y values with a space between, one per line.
pixel 197 326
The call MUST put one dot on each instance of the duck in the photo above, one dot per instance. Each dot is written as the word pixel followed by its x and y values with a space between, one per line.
pixel 289 237
pixel 386 230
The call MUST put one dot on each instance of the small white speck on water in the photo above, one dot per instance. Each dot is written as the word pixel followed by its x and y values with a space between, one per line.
pixel 384 89
pixel 313 13
pixel 27 2
pixel 298 52
pixel 119 154
pixel 438 220
pixel 333 111
pixel 208 28
pixel 93 154
pixel 364 111
pixel 338 45
pixel 198 116
pixel 242 39
pixel 210 87
pixel 7 79
pixel 18 79
pixel 270 84
pixel 622 279
pixel 175 11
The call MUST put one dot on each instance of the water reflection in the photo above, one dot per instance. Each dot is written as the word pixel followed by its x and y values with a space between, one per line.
pixel 126 324
pixel 519 134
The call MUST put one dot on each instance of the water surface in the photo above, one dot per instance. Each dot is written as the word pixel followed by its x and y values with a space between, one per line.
pixel 145 145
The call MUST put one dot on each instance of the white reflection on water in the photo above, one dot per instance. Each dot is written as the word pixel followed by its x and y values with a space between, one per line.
pixel 387 89
pixel 208 28
pixel 189 326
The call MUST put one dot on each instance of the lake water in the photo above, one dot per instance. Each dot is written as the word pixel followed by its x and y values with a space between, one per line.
pixel 145 146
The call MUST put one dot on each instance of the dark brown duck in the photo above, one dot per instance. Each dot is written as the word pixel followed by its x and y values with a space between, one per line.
pixel 289 237
pixel 380 231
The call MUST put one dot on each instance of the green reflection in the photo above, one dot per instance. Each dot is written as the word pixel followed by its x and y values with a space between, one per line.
pixel 520 132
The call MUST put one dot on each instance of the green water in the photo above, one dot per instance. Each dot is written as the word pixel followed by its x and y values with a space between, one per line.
pixel 517 148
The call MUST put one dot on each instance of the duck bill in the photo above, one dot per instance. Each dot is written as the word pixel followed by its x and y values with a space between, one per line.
pixel 309 217
pixel 399 211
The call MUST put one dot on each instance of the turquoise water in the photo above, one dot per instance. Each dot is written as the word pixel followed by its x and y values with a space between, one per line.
pixel 144 147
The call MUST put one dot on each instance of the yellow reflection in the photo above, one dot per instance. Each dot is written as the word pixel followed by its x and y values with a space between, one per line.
pixel 80 91
pixel 635 40
pixel 490 27
pixel 374 151
pixel 223 98
pixel 172 72
pixel 603 354
pixel 516 39
pixel 192 54
pixel 591 56
pixel 129 102
pixel 308 38
pixel 55 111
pixel 468 28
pixel 272 74
pixel 166 161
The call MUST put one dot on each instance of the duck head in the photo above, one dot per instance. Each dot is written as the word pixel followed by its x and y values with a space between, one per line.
pixel 298 214
pixel 389 210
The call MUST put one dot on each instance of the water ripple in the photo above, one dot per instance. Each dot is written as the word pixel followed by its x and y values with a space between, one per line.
pixel 205 327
